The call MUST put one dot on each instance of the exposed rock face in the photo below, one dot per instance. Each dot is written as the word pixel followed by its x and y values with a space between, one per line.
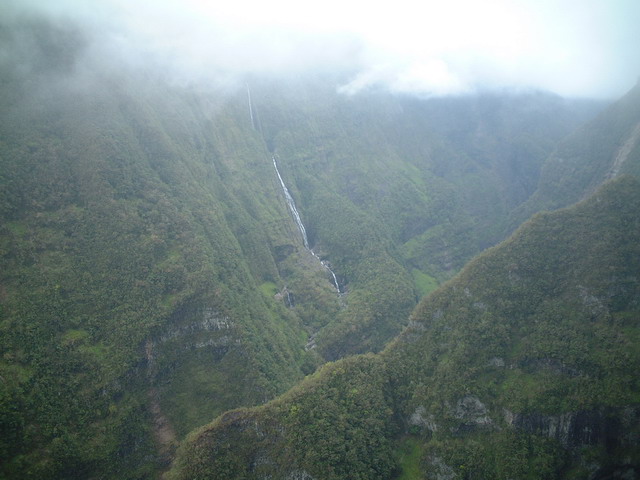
pixel 606 426
pixel 439 469
pixel 472 412
pixel 419 418
pixel 496 362
pixel 206 328
pixel 623 472
pixel 210 320
pixel 592 303
pixel 299 475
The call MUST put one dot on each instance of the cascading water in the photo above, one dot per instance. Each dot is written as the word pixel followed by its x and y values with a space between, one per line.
pixel 333 275
pixel 292 206
pixel 253 123
pixel 296 216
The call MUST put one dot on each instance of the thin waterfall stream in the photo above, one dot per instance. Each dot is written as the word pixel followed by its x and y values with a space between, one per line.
pixel 253 123
pixel 292 206
pixel 296 216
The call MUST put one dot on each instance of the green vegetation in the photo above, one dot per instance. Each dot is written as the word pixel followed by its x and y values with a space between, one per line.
pixel 342 412
pixel 410 451
pixel 135 233
pixel 424 283
pixel 607 146
pixel 515 368
pixel 269 289
pixel 389 187
pixel 152 278
pixel 499 455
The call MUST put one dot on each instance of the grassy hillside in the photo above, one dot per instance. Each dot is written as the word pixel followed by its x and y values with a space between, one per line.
pixel 522 366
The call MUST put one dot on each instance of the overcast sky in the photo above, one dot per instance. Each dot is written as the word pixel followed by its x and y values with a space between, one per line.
pixel 571 47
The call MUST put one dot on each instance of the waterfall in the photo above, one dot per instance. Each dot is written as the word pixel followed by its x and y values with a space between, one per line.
pixel 289 300
pixel 333 275
pixel 296 216
pixel 253 123
pixel 292 206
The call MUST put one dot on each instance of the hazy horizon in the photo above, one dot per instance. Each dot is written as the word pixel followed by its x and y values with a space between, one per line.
pixel 572 48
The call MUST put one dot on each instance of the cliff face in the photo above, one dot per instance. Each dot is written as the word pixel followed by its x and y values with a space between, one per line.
pixel 612 428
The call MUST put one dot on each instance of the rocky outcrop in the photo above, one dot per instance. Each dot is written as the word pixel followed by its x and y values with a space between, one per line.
pixel 206 328
pixel 210 320
pixel 471 414
pixel 610 427
pixel 299 475
pixel 419 418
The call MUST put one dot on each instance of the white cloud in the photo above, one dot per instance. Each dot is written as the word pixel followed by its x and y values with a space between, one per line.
pixel 572 47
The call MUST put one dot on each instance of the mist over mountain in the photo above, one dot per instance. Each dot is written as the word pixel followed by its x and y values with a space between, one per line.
pixel 600 150
pixel 434 49
pixel 176 244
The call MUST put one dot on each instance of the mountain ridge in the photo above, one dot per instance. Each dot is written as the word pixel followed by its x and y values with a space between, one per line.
pixel 601 149
pixel 467 417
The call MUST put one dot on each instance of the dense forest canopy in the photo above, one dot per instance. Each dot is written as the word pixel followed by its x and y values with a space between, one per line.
pixel 153 276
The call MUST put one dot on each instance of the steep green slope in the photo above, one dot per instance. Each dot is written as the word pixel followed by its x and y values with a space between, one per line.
pixel 151 275
pixel 602 149
pixel 399 192
pixel 522 366
pixel 417 166
pixel 136 231
pixel 538 336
